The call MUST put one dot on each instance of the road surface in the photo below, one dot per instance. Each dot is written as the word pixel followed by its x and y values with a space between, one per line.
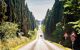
pixel 40 44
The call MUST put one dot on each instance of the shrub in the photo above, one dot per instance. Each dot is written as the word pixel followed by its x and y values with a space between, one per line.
pixel 9 29
pixel 12 43
pixel 58 33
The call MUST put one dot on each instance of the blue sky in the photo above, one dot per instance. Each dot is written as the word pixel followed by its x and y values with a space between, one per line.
pixel 39 7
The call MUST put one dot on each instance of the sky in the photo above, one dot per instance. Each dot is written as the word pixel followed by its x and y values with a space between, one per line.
pixel 39 7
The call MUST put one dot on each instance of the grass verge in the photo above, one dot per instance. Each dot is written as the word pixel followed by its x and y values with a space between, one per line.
pixel 61 46
pixel 25 43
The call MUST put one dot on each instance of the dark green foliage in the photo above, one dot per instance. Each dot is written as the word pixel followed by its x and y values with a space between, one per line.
pixel 76 25
pixel 8 30
pixel 62 11
pixel 72 10
pixel 16 11
pixel 53 16
pixel 57 34
pixel 71 13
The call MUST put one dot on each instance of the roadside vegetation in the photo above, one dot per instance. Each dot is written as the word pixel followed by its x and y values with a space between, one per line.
pixel 65 48
pixel 17 24
pixel 9 40
pixel 64 17
pixel 60 46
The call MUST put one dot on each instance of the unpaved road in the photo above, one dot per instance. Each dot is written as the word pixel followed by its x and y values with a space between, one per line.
pixel 40 43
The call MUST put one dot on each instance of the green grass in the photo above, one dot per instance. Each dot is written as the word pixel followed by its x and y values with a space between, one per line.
pixel 17 47
pixel 25 43
pixel 61 46
pixel 65 48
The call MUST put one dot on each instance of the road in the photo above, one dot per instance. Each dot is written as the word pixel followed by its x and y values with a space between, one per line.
pixel 40 44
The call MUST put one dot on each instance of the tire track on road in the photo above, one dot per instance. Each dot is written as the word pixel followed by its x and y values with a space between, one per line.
pixel 50 48
pixel 32 48
pixel 29 46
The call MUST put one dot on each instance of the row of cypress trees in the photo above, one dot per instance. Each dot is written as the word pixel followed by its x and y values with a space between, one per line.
pixel 57 21
pixel 53 16
pixel 16 11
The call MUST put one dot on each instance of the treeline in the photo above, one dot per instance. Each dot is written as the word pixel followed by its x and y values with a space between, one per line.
pixel 63 17
pixel 16 11
pixel 16 22
pixel 53 16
